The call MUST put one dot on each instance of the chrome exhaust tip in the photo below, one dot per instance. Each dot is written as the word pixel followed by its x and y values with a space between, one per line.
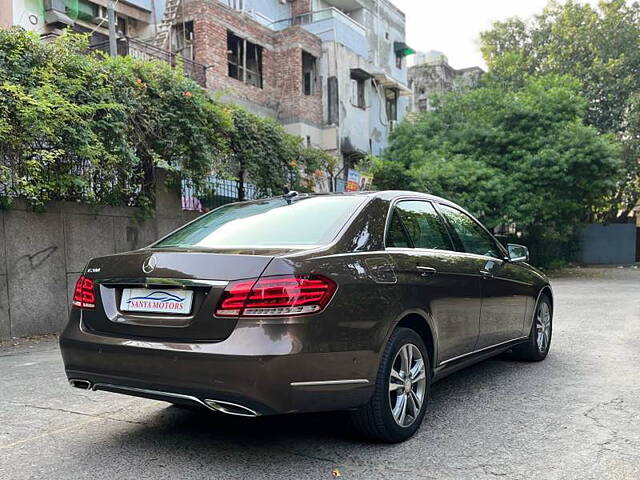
pixel 230 408
pixel 81 384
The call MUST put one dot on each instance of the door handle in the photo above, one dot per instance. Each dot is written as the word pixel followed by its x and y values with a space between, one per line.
pixel 426 271
pixel 486 274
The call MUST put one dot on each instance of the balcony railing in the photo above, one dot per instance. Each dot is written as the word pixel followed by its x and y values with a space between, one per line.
pixel 146 51
pixel 318 16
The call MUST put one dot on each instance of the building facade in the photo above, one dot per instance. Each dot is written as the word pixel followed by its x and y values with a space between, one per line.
pixel 431 74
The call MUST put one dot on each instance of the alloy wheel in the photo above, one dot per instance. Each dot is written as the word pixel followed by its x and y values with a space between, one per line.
pixel 407 385
pixel 543 326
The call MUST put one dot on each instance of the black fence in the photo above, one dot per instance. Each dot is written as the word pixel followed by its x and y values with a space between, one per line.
pixel 146 51
pixel 214 194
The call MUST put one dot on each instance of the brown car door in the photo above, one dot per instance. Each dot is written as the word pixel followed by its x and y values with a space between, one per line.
pixel 504 285
pixel 435 278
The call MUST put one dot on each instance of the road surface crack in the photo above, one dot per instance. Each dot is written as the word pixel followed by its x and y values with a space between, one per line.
pixel 105 416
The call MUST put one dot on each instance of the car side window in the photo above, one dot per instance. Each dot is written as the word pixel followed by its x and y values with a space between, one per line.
pixel 396 235
pixel 473 237
pixel 423 224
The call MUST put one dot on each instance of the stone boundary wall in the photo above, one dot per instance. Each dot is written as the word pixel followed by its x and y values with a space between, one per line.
pixel 42 255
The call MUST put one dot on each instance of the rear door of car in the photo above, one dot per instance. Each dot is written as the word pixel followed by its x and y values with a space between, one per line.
pixel 433 276
pixel 504 291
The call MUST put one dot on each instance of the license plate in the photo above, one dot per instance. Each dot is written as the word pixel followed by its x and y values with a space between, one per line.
pixel 156 300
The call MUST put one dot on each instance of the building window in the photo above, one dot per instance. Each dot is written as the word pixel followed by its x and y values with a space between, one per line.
pixel 391 95
pixel 332 97
pixel 399 61
pixel 357 92
pixel 309 74
pixel 182 40
pixel 244 60
pixel 423 105
pixel 358 95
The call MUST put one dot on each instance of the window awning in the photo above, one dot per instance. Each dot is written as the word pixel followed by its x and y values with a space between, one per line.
pixel 386 81
pixel 402 49
pixel 360 74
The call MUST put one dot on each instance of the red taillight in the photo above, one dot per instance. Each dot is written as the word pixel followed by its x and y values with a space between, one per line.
pixel 276 296
pixel 83 296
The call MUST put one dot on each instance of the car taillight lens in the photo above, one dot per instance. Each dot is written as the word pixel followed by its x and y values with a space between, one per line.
pixel 83 295
pixel 276 296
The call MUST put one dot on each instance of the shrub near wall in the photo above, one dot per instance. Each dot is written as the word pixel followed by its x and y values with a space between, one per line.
pixel 84 127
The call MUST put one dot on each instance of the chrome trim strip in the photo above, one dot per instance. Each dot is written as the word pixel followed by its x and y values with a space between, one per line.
pixel 166 282
pixel 358 381
pixel 97 386
pixel 481 350
pixel 215 405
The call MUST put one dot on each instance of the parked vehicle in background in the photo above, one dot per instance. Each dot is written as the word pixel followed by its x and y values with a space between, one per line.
pixel 307 303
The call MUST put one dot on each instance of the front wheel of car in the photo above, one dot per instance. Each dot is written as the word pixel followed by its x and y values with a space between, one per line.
pixel 536 348
pixel 398 404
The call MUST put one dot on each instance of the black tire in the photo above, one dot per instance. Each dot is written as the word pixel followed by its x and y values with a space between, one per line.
pixel 530 350
pixel 375 420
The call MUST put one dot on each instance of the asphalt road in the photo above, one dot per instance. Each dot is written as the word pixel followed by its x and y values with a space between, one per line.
pixel 576 415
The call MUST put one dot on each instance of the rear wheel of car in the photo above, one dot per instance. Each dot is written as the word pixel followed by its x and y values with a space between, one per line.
pixel 537 346
pixel 398 404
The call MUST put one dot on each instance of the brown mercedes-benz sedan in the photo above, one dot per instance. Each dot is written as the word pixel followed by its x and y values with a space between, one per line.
pixel 307 303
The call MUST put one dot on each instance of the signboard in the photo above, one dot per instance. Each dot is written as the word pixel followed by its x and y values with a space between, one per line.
pixel 353 181
pixel 358 182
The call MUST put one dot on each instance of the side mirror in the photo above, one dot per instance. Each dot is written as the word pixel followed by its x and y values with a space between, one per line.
pixel 518 253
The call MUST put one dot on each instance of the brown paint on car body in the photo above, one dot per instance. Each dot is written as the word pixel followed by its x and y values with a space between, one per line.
pixel 255 361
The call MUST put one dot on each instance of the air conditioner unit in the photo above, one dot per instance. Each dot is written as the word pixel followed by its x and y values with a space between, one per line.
pixel 102 16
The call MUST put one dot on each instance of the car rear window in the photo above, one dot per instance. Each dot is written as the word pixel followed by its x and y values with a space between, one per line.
pixel 306 222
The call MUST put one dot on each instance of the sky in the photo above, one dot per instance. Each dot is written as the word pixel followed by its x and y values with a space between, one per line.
pixel 453 26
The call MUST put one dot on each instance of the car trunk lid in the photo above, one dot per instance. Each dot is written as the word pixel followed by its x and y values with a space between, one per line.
pixel 166 275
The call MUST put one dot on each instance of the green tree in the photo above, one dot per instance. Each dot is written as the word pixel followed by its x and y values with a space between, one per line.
pixel 598 46
pixel 521 157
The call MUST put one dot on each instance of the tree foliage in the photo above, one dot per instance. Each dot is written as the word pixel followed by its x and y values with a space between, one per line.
pixel 86 127
pixel 600 47
pixel 522 157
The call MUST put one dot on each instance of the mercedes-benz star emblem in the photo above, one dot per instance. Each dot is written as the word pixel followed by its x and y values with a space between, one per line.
pixel 149 264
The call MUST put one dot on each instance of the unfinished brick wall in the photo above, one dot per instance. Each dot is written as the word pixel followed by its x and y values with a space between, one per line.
pixel 281 60
pixel 294 105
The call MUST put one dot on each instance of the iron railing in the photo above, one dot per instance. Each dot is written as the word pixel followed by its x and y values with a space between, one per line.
pixel 146 51
pixel 215 193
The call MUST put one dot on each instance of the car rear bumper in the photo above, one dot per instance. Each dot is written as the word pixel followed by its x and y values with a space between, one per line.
pixel 262 368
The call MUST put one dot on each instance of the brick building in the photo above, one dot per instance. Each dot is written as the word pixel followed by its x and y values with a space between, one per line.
pixel 331 71
pixel 254 65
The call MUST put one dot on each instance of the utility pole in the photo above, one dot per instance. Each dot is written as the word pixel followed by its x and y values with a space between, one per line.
pixel 111 18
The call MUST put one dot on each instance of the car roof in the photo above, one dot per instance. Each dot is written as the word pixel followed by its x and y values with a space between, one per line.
pixel 387 195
